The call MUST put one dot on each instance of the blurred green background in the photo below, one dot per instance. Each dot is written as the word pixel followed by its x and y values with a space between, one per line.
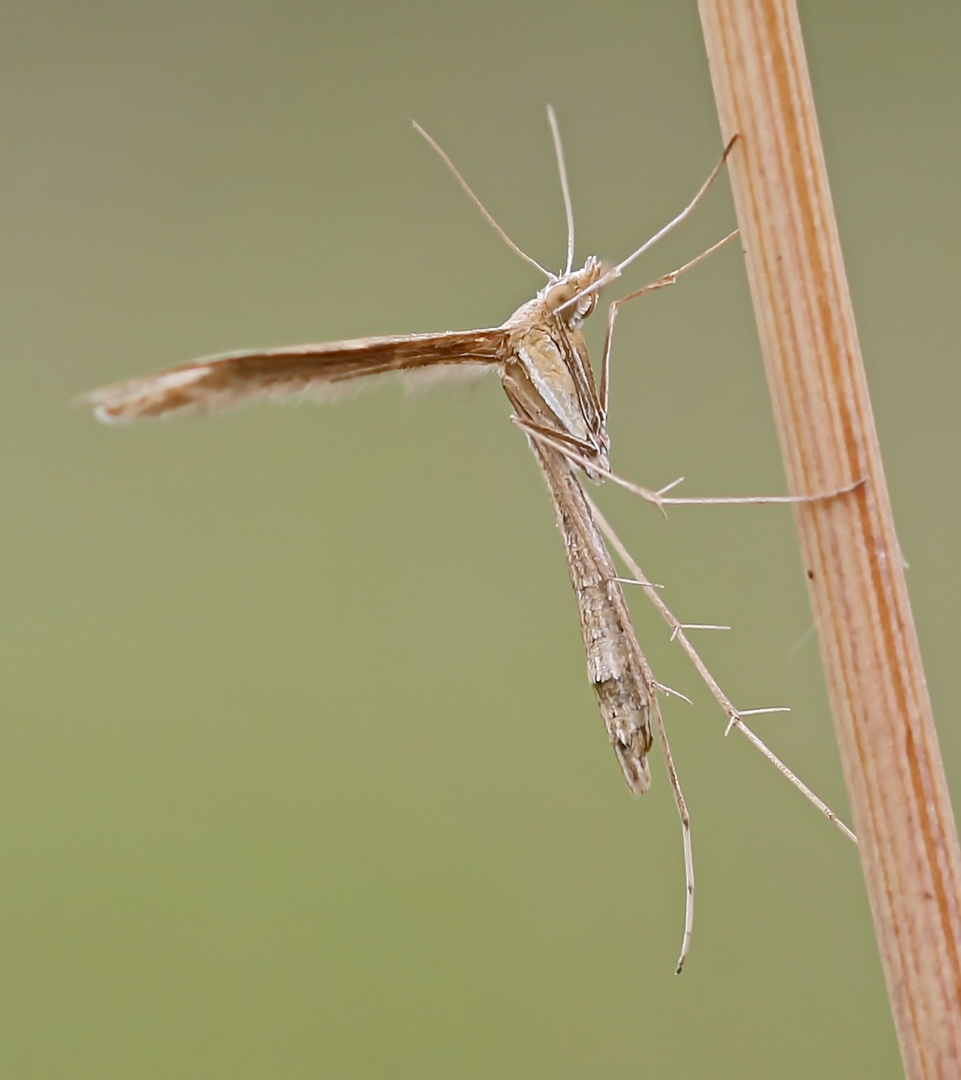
pixel 300 773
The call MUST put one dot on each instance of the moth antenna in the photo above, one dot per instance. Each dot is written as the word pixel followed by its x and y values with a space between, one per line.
pixel 616 271
pixel 565 187
pixel 702 191
pixel 488 217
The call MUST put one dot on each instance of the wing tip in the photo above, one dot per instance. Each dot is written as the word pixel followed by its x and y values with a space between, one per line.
pixel 170 392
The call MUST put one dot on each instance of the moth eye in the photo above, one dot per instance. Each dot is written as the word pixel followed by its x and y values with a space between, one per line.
pixel 560 294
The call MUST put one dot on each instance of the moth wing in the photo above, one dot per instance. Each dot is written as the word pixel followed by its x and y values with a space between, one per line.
pixel 301 371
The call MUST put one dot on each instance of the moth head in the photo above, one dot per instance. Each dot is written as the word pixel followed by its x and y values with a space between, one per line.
pixel 566 296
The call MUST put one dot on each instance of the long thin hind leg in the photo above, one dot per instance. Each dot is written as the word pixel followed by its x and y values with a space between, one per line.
pixel 734 715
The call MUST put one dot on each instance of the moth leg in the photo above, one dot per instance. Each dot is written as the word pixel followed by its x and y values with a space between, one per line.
pixel 660 498
pixel 660 283
pixel 574 451
pixel 734 715
pixel 582 454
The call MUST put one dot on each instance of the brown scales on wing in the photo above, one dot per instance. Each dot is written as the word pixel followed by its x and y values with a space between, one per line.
pixel 220 382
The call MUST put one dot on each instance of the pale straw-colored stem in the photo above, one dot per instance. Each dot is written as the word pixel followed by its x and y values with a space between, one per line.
pixel 889 748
